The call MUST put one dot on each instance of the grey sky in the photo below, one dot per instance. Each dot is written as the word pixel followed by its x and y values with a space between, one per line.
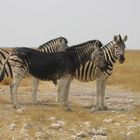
pixel 31 23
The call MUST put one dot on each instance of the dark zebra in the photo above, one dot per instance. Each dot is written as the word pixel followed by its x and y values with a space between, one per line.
pixel 113 51
pixel 47 66
pixel 54 45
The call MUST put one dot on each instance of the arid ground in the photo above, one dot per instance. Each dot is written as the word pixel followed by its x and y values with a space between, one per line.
pixel 48 121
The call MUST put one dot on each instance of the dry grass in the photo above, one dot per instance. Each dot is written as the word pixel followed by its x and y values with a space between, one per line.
pixel 40 116
pixel 127 75
pixel 6 81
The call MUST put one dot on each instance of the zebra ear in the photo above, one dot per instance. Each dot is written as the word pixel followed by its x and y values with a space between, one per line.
pixel 115 38
pixel 63 40
pixel 97 45
pixel 60 38
pixel 125 38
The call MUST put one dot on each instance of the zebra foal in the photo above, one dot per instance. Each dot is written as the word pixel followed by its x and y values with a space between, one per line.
pixel 112 52
pixel 54 65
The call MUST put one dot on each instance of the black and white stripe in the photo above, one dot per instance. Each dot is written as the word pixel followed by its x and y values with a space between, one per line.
pixel 3 56
pixel 54 45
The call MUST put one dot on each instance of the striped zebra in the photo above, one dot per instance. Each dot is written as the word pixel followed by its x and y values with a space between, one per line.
pixel 54 65
pixel 113 51
pixel 3 55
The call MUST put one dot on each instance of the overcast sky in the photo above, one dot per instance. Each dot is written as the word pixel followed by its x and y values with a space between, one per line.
pixel 31 23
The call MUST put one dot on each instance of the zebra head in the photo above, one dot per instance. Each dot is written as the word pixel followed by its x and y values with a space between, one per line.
pixel 62 43
pixel 119 47
pixel 97 56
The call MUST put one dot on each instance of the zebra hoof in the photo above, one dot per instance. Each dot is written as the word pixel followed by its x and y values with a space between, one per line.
pixel 16 106
pixel 104 108
pixel 35 102
pixel 68 109
pixel 94 109
pixel 99 108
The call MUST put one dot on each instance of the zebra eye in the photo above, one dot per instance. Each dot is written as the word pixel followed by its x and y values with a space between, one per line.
pixel 116 47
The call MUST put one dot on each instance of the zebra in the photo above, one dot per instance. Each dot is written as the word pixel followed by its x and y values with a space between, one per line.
pixel 113 51
pixel 54 45
pixel 54 65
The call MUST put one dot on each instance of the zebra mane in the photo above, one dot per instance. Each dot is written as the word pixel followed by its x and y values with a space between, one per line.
pixel 79 46
pixel 110 44
pixel 54 40
pixel 108 49
pixel 84 50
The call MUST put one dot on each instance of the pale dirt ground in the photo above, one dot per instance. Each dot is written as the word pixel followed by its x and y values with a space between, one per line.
pixel 121 103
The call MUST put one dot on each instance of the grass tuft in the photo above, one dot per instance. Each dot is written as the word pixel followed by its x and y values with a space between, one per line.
pixel 127 75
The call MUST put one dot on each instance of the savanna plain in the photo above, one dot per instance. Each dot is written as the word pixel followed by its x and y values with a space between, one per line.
pixel 49 121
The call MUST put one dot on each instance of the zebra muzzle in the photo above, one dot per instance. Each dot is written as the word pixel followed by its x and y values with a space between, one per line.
pixel 121 59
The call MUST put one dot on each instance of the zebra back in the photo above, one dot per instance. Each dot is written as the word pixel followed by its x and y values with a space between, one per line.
pixel 3 55
pixel 85 50
pixel 54 45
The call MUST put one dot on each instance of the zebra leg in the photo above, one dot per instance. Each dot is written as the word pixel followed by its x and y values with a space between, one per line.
pixel 63 91
pixel 59 89
pixel 11 95
pixel 66 102
pixel 34 89
pixel 13 91
pixel 103 107
pixel 98 93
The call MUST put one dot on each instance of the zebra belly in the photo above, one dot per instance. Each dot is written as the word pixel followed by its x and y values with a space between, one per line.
pixel 86 72
pixel 90 72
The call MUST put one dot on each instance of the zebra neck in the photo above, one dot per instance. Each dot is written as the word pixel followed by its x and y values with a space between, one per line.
pixel 84 54
pixel 109 54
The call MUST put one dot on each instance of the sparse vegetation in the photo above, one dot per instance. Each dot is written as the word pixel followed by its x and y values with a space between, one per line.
pixel 119 124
